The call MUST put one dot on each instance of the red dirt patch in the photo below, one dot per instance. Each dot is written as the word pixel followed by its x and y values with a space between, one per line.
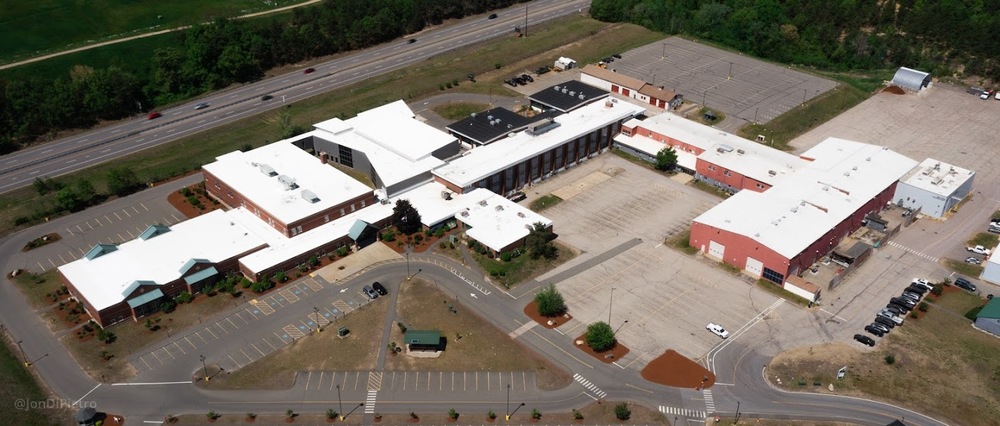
pixel 180 201
pixel 606 357
pixel 895 90
pixel 531 310
pixel 674 369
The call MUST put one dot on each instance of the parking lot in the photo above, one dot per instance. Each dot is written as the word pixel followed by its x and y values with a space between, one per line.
pixel 740 86
pixel 666 296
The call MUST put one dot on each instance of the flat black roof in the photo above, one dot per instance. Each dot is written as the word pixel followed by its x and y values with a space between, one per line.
pixel 568 96
pixel 490 125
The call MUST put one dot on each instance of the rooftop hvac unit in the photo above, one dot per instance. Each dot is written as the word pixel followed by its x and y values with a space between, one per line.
pixel 722 149
pixel 556 88
pixel 473 115
pixel 520 215
pixel 482 203
pixel 465 213
pixel 542 126
pixel 564 90
pixel 310 196
pixel 446 195
pixel 489 117
pixel 772 172
pixel 582 97
pixel 287 182
pixel 498 208
pixel 855 168
pixel 740 151
pixel 267 170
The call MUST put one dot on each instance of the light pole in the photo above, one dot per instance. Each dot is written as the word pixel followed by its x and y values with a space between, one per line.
pixel 340 403
pixel 407 264
pixel 205 366
pixel 506 412
pixel 610 304
pixel 619 327
pixel 737 411
pixel 525 21
pixel 730 71
pixel 664 54
pixel 21 350
pixel 316 318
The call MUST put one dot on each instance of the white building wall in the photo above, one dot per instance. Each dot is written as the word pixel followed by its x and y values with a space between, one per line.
pixel 911 197
pixel 596 82
pixel 991 271
pixel 799 292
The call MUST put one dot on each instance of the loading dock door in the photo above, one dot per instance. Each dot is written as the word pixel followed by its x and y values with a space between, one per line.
pixel 716 250
pixel 754 266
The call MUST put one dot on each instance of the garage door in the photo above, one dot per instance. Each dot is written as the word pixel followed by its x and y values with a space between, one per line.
pixel 716 250
pixel 754 266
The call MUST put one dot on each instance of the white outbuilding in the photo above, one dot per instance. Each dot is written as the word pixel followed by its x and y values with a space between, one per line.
pixel 934 187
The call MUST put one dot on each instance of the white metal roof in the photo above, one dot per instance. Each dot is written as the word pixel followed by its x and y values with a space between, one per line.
pixel 726 150
pixel 433 207
pixel 496 221
pixel 909 78
pixel 245 172
pixel 214 236
pixel 937 177
pixel 798 210
pixel 484 161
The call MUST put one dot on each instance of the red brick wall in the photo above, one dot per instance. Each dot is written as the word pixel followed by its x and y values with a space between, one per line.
pixel 738 248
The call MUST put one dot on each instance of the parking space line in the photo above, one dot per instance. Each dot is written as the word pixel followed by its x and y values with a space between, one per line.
pixel 240 316
pixel 280 338
pixel 357 379
pixel 109 220
pixel 248 356
pixel 70 232
pixel 179 347
pixel 61 258
pixel 202 338
pixel 251 313
pixel 232 323
pixel 143 359
pixel 189 342
pixel 144 207
pixel 53 264
pixel 210 332
pixel 40 267
pixel 333 379
pixel 79 228
pixel 96 220
pixel 126 213
pixel 234 361
pixel 130 234
pixel 269 343
pixel 116 215
pixel 120 237
pixel 221 328
pixel 258 349
pixel 81 251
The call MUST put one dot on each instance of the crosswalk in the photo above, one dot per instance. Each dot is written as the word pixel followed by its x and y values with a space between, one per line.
pixel 709 402
pixel 370 402
pixel 912 251
pixel 683 412
pixel 590 386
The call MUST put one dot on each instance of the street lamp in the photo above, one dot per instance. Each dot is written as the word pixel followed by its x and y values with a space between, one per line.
pixel 316 318
pixel 664 54
pixel 610 304
pixel 507 411
pixel 20 349
pixel 619 327
pixel 730 71
pixel 205 366
pixel 340 403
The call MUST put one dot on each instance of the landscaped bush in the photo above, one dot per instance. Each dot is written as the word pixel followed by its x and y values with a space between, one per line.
pixel 439 232
pixel 184 297
pixel 890 359
pixel 389 236
pixel 622 412
pixel 505 256
pixel 342 251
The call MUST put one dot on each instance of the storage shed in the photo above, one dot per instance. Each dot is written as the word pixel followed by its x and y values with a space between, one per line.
pixel 989 317
pixel 911 79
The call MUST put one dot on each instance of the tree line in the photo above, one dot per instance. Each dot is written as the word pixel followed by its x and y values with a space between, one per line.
pixel 210 57
pixel 942 36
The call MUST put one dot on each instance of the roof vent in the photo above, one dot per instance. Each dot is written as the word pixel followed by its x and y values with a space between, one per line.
pixel 489 117
pixel 847 173
pixel 795 209
pixel 564 90
pixel 826 188
pixel 446 195
pixel 520 215
pixel 855 168
pixel 267 170
pixel 572 93
pixel 310 196
pixel 465 213
pixel 499 208
pixel 582 97
pixel 556 87
pixel 772 172
pixel 510 126
pixel 740 151
pixel 287 182
pixel 482 203
pixel 868 159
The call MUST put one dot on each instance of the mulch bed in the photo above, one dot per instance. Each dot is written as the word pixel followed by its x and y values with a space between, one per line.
pixel 674 369
pixel 179 201
pixel 607 357
pixel 531 310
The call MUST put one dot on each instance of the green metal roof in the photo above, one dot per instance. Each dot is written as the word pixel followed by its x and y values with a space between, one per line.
pixel 145 298
pixel 357 229
pixel 100 250
pixel 991 310
pixel 135 284
pixel 201 275
pixel 189 264
pixel 153 231
pixel 422 337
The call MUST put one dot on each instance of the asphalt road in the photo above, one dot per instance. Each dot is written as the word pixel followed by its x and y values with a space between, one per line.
pixel 102 145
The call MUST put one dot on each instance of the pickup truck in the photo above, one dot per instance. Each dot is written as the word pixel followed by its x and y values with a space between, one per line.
pixel 979 250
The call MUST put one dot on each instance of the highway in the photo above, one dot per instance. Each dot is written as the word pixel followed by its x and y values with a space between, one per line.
pixel 105 144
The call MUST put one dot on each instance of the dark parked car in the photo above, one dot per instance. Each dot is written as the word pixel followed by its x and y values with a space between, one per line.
pixel 528 78
pixel 511 82
pixel 964 284
pixel 882 327
pixel 904 302
pixel 885 321
pixel 520 81
pixel 266 97
pixel 493 16
pixel 874 331
pixel 917 288
pixel 617 56
pixel 542 70
pixel 308 70
pixel 370 292
pixel 899 307
pixel 864 339
pixel 380 288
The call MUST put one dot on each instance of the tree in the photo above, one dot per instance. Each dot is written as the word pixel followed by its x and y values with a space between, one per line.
pixel 123 181
pixel 666 159
pixel 67 199
pixel 85 192
pixel 405 217
pixel 622 412
pixel 600 336
pixel 539 242
pixel 550 302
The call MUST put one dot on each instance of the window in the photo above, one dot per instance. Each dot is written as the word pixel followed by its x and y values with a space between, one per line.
pixel 362 203
pixel 711 167
pixel 760 186
pixel 352 208
pixel 326 218
pixel 773 276
pixel 726 172
pixel 346 156
pixel 341 212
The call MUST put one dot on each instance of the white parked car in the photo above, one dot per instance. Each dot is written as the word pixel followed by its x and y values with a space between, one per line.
pixel 979 250
pixel 717 329
pixel 973 260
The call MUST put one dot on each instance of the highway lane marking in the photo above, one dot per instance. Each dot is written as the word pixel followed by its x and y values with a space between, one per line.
pixel 85 395
pixel 70 161
pixel 710 356
pixel 35 172
pixel 151 383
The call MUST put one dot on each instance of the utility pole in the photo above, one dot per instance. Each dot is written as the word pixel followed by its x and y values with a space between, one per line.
pixel 525 20
pixel 20 349
pixel 205 366
pixel 316 318
pixel 610 305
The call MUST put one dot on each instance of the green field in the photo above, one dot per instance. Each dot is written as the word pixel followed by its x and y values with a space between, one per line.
pixel 29 29
pixel 18 385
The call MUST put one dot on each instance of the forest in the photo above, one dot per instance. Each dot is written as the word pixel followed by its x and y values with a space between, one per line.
pixel 944 37
pixel 211 57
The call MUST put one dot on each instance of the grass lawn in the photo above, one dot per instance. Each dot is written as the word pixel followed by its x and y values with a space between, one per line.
pixel 544 202
pixel 20 386
pixel 69 24
pixel 799 120
pixel 521 268
pixel 963 268
pixel 133 337
pixel 570 35
pixel 472 343
pixel 780 292
pixel 942 366
pixel 459 110
pixel 708 188
pixel 984 239
pixel 681 241
pixel 38 287
pixel 316 351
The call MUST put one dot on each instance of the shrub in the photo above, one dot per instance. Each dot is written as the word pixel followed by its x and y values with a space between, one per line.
pixel 389 236
pixel 443 245
pixel 212 415
pixel 342 251
pixel 184 297
pixel 402 328
pixel 600 336
pixel 245 282
pixel 418 238
pixel 937 289
pixel 168 306
pixel 491 415
pixel 577 415
pixel 289 413
pixel 448 85
pixel 535 414
pixel 890 359
pixel 314 261
pixel 439 232
pixel 622 412
pixel 913 314
pixel 505 256
pixel 923 307
pixel 452 414
pixel 440 87
pixel 428 232
pixel 414 416
pixel 331 414
pixel 973 313
pixel 550 302
pixel 251 415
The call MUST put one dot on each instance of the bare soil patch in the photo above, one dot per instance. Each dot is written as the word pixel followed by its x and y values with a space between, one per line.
pixel 531 310
pixel 471 342
pixel 674 369
pixel 895 90
pixel 608 356
pixel 182 201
